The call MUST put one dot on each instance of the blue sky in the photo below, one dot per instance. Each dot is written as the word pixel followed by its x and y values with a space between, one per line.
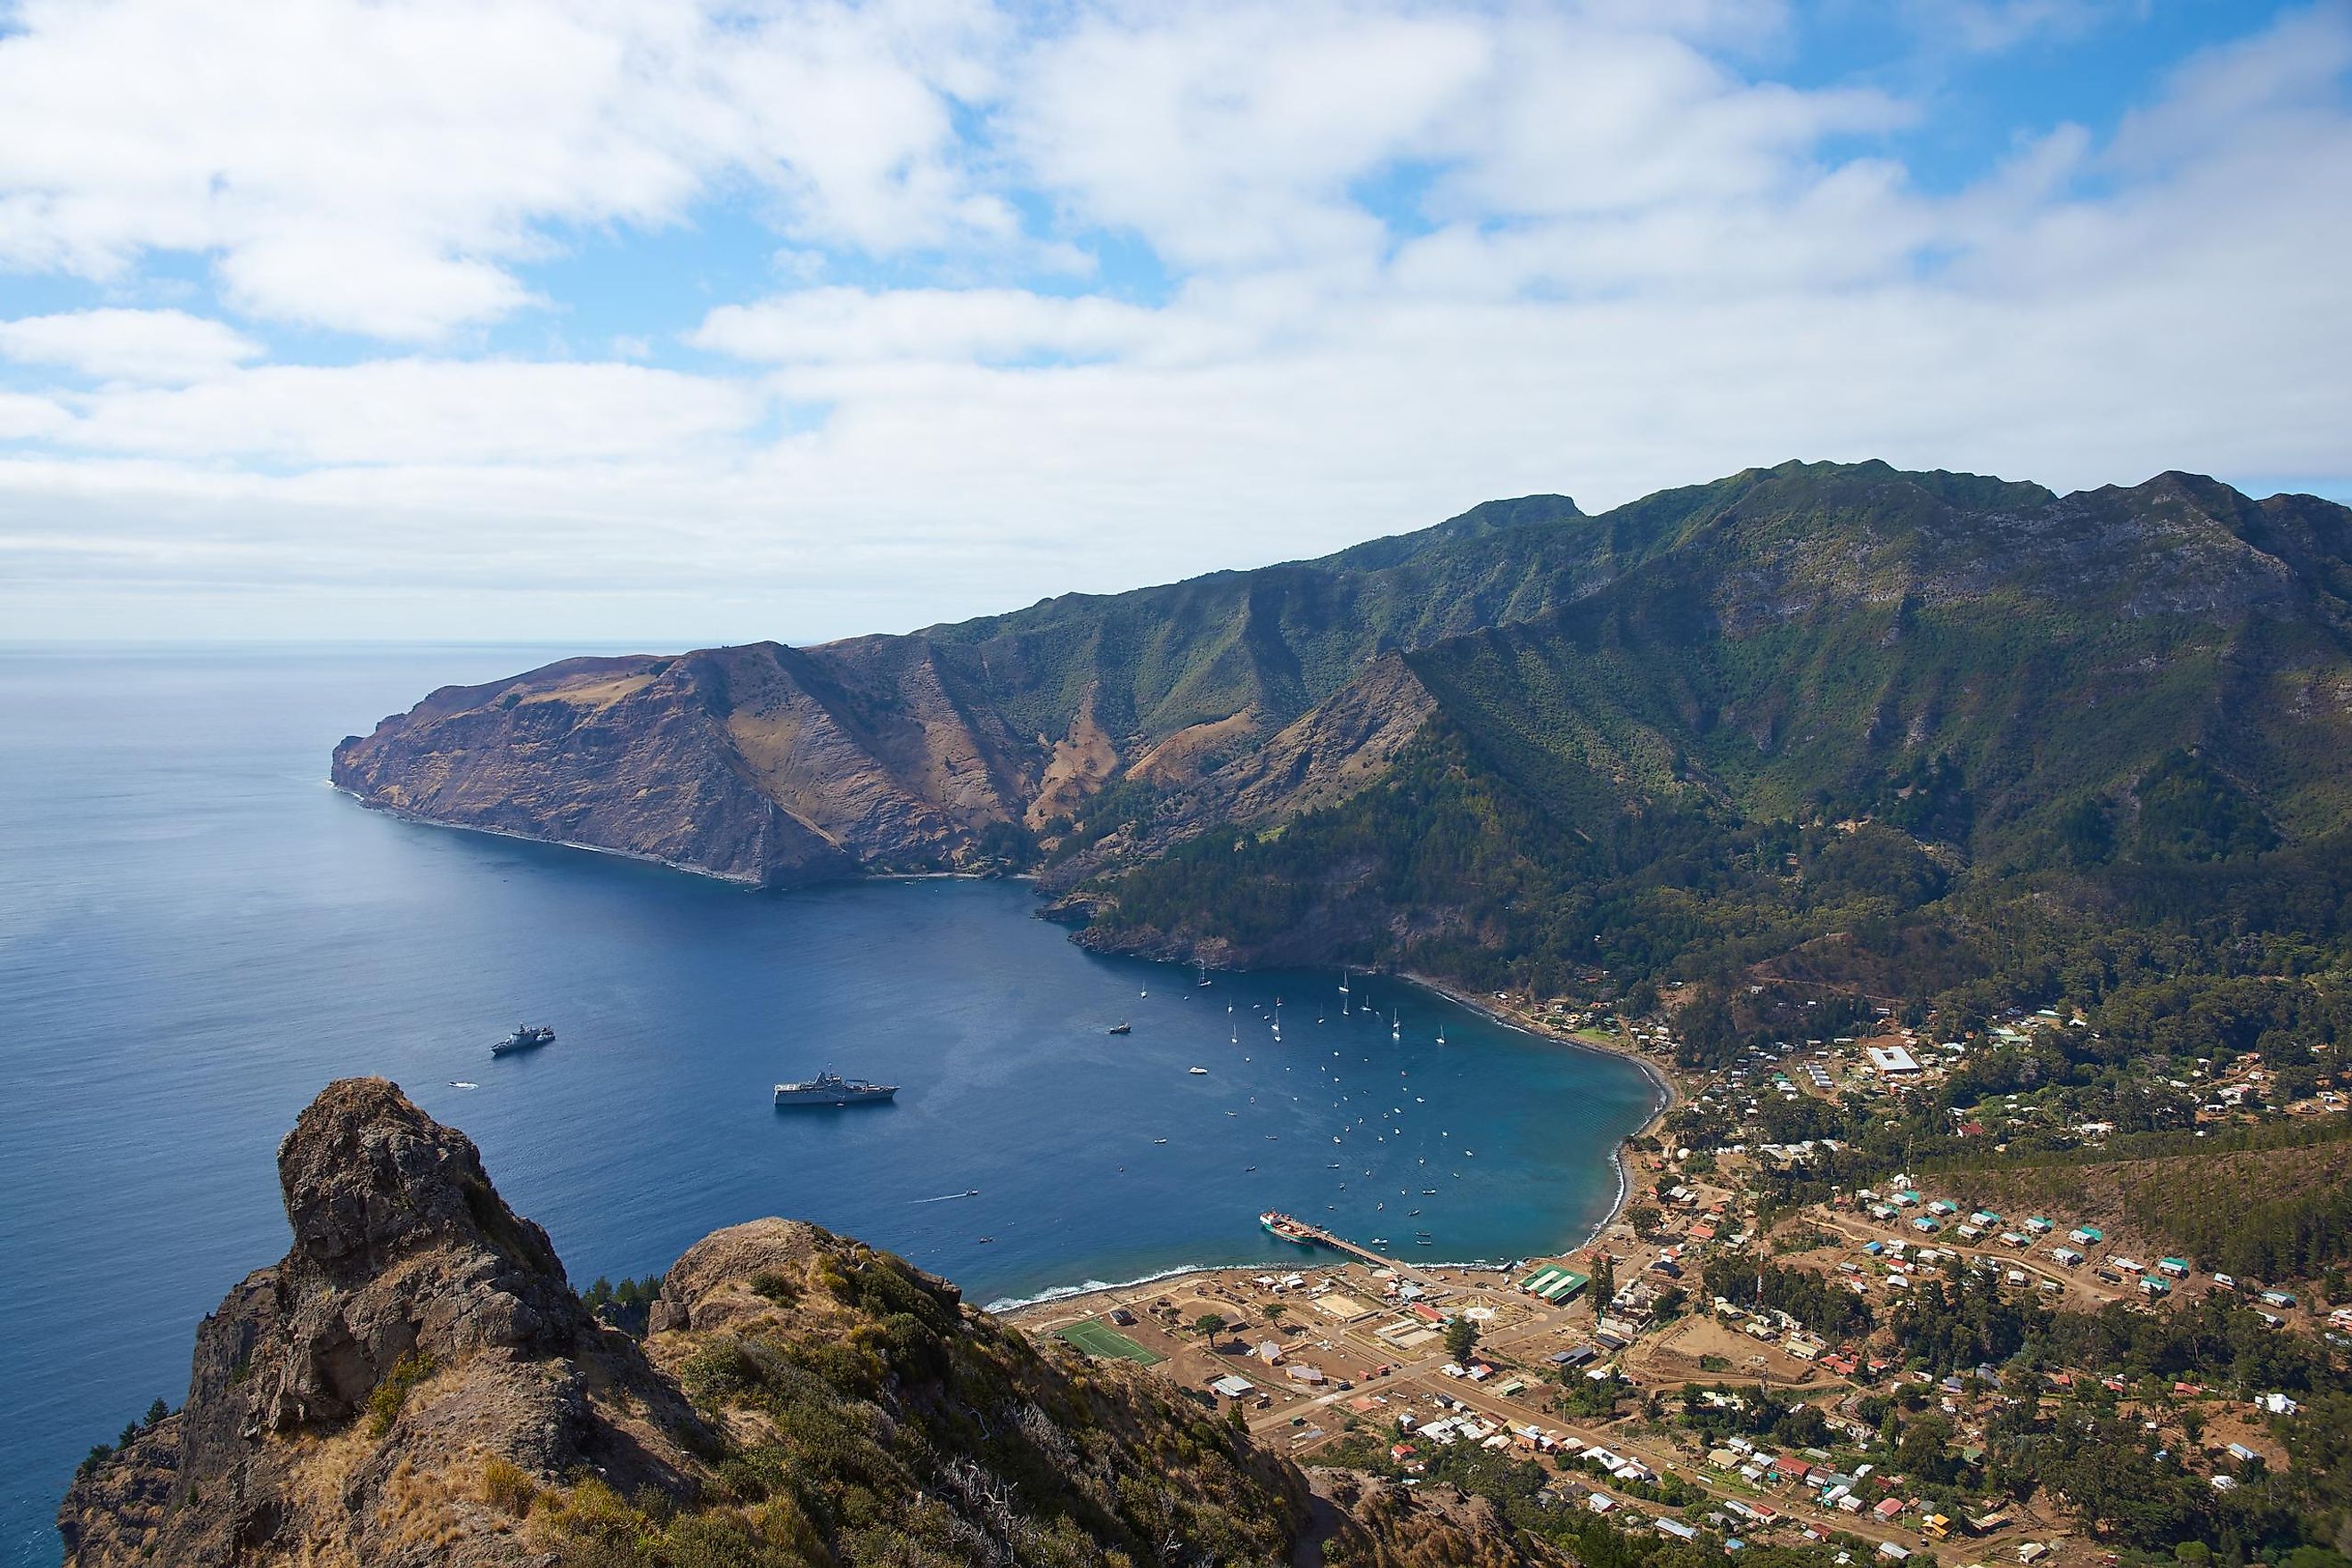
pixel 672 323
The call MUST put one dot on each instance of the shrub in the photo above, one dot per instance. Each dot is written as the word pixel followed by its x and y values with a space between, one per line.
pixel 776 1288
pixel 508 1486
pixel 385 1404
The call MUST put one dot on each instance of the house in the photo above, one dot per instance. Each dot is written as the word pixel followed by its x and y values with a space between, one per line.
pixel 1234 1387
pixel 1892 1061
pixel 2087 1236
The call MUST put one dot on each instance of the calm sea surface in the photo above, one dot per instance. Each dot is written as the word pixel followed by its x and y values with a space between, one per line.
pixel 196 933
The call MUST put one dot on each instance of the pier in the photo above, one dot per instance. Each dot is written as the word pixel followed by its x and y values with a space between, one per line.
pixel 1283 1227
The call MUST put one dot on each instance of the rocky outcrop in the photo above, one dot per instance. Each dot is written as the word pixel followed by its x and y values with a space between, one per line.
pixel 1379 1523
pixel 415 1384
pixel 343 1403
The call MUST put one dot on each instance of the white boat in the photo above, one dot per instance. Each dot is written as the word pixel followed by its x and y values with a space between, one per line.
pixel 1198 1072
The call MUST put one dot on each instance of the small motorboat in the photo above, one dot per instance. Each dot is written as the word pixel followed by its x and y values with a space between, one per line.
pixel 1198 1072
pixel 1120 1029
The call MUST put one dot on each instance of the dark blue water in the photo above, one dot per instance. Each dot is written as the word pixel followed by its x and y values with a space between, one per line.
pixel 196 933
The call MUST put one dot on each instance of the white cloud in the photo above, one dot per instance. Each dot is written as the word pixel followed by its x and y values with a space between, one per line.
pixel 1991 25
pixel 421 412
pixel 128 345
pixel 818 325
pixel 382 167
pixel 1340 269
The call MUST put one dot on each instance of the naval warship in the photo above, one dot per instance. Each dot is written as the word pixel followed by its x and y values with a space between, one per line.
pixel 829 1088
pixel 526 1037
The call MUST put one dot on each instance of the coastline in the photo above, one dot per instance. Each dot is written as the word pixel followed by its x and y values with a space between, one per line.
pixel 1662 1086
pixel 399 814
pixel 749 884
pixel 1667 1096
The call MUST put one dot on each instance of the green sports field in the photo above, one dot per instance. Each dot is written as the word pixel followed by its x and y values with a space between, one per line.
pixel 1099 1339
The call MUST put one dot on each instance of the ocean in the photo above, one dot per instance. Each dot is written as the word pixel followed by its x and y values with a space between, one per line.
pixel 196 933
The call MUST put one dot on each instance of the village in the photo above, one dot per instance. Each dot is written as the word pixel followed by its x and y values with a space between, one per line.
pixel 1685 1373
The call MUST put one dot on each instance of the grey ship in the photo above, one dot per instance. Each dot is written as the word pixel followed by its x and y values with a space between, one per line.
pixel 526 1037
pixel 829 1088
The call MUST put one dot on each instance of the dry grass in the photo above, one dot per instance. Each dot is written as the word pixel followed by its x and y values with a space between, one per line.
pixel 508 1486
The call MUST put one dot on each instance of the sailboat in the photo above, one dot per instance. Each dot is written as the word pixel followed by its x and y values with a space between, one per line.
pixel 1343 994
pixel 1441 1034
pixel 1202 966
pixel 1277 1017
pixel 1396 1027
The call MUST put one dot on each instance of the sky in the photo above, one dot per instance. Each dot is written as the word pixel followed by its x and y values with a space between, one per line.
pixel 663 322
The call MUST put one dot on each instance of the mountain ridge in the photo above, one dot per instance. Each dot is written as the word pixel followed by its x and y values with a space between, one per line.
pixel 1758 648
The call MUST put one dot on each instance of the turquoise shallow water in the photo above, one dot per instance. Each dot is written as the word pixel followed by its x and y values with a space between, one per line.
pixel 196 933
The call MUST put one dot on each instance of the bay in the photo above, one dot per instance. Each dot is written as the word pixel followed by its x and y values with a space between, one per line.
pixel 196 933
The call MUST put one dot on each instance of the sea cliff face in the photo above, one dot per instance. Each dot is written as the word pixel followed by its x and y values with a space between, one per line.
pixel 415 1384
pixel 1477 719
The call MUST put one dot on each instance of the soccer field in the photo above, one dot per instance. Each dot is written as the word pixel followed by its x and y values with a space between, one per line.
pixel 1099 1339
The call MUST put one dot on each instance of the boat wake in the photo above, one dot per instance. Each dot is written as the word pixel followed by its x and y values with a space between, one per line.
pixel 948 1197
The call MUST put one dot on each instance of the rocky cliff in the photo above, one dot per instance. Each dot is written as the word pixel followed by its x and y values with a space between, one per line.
pixel 416 1383
pixel 1808 643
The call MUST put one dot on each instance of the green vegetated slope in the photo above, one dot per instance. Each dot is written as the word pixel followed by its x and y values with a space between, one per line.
pixel 1279 639
pixel 1837 699
pixel 1931 735
pixel 2267 1203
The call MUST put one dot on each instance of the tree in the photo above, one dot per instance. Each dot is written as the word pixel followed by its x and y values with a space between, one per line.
pixel 1274 1313
pixel 1644 1218
pixel 1209 1325
pixel 156 1412
pixel 1604 1279
pixel 1461 1339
